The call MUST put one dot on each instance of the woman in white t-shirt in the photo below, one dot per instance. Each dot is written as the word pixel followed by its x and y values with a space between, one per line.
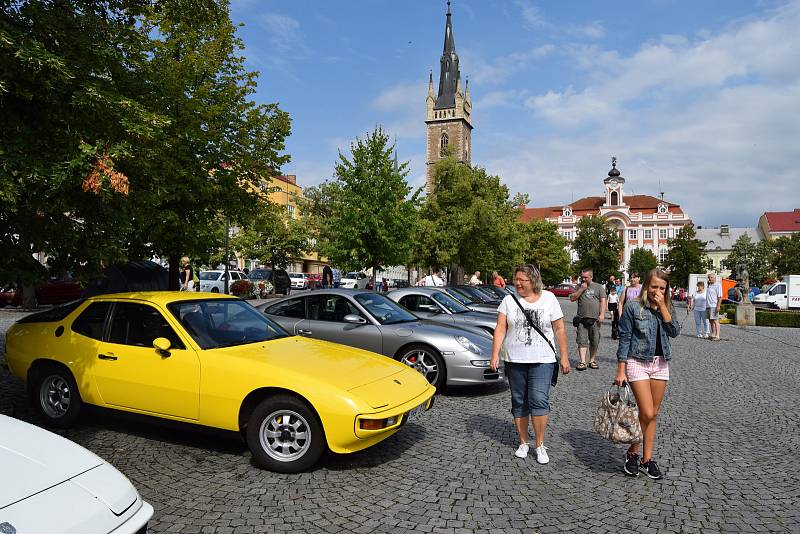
pixel 529 357
pixel 697 303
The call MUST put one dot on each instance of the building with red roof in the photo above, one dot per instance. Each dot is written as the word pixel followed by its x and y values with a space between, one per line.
pixel 774 224
pixel 643 221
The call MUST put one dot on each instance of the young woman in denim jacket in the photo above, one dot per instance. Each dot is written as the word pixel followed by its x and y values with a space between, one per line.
pixel 643 357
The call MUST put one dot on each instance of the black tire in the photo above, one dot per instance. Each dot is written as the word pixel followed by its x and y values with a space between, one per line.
pixel 55 396
pixel 296 441
pixel 427 361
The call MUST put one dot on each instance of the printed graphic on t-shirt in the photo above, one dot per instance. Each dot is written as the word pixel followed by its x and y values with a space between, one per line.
pixel 522 329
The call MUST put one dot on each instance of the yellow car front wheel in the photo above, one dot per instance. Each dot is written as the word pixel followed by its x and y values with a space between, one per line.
pixel 285 435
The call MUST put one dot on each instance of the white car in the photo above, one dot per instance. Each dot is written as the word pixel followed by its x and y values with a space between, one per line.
pixel 355 281
pixel 53 485
pixel 298 280
pixel 214 281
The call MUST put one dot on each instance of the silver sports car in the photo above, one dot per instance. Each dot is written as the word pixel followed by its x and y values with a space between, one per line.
pixel 359 318
pixel 470 302
pixel 430 303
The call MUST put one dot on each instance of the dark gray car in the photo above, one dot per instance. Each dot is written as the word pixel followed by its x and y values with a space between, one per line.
pixel 367 320
pixel 431 303
pixel 470 302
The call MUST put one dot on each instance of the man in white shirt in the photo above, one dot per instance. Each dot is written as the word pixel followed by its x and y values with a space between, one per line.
pixel 713 303
pixel 433 279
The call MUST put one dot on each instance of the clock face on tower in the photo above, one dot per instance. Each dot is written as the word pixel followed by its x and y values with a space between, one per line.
pixel 612 183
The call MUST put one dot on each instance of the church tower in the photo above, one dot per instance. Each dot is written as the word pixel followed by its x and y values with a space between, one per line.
pixel 449 113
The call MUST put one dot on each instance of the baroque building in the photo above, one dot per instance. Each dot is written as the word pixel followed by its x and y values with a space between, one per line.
pixel 643 221
pixel 449 112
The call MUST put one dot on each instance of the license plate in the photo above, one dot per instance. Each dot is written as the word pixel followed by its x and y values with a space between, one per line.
pixel 416 413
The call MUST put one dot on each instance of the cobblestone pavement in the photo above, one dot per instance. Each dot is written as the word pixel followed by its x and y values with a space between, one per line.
pixel 727 439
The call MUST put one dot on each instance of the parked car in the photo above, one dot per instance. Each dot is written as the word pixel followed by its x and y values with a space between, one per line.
pixel 55 485
pixel 563 290
pixel 355 281
pixel 495 292
pixel 57 290
pixel 471 303
pixel 445 355
pixel 214 361
pixel 298 281
pixel 430 303
pixel 477 295
pixel 213 281
pixel 313 280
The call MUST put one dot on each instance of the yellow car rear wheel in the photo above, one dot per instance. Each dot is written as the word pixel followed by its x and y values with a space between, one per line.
pixel 55 395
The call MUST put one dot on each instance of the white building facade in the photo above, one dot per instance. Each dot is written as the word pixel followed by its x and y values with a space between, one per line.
pixel 643 221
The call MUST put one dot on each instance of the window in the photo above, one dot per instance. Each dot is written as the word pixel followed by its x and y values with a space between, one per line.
pixel 568 235
pixel 331 308
pixel 59 313
pixel 294 308
pixel 419 303
pixel 648 234
pixel 90 323
pixel 614 198
pixel 662 256
pixel 662 233
pixel 443 142
pixel 139 324
pixel 632 234
pixel 290 209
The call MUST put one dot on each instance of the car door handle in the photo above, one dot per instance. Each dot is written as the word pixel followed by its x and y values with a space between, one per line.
pixel 305 332
pixel 106 357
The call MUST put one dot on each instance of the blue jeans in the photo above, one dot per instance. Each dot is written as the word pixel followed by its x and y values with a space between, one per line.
pixel 701 321
pixel 530 388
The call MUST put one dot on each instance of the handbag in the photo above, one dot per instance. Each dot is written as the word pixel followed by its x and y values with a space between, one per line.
pixel 617 417
pixel 554 377
pixel 576 321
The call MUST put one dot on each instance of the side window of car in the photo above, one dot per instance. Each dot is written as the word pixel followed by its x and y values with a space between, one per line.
pixel 332 308
pixel 91 321
pixel 410 302
pixel 294 308
pixel 139 324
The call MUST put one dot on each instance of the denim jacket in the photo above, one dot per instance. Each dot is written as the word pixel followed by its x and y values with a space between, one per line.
pixel 637 332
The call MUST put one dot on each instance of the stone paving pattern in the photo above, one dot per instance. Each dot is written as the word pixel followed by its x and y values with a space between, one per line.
pixel 727 439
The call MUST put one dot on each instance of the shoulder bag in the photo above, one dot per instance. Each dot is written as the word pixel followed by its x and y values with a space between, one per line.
pixel 617 417
pixel 554 378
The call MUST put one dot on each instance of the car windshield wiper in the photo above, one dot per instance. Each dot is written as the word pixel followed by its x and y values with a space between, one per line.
pixel 249 341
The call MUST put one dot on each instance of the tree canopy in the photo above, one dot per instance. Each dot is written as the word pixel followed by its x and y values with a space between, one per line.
pixel 546 248
pixel 785 255
pixel 468 222
pixel 598 245
pixel 685 256
pixel 753 256
pixel 642 261
pixel 366 215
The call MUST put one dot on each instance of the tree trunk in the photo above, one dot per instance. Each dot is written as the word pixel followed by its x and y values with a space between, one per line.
pixel 456 274
pixel 29 300
pixel 174 276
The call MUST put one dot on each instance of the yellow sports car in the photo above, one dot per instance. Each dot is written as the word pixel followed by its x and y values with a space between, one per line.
pixel 214 361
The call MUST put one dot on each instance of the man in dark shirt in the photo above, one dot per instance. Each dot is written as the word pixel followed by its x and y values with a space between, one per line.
pixel 592 300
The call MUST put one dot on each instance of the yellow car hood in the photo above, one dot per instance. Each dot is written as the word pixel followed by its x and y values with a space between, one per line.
pixel 337 365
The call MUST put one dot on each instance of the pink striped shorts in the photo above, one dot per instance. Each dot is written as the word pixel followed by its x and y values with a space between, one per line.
pixel 658 369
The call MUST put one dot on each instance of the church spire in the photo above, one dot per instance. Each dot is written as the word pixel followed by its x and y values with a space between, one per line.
pixel 449 73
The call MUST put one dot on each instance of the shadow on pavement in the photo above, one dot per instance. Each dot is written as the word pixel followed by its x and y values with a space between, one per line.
pixel 500 431
pixel 595 452
pixel 397 446
pixel 479 390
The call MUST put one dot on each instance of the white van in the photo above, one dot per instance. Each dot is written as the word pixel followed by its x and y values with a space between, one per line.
pixel 784 294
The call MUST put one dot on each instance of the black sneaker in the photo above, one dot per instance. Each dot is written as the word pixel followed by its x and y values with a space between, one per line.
pixel 651 469
pixel 631 466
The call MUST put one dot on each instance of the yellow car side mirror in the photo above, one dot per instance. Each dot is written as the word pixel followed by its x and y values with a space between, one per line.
pixel 162 346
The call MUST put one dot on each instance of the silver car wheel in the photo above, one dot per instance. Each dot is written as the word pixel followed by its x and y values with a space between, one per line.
pixel 424 362
pixel 285 435
pixel 55 396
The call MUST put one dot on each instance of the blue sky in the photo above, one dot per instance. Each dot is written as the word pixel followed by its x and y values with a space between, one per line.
pixel 700 99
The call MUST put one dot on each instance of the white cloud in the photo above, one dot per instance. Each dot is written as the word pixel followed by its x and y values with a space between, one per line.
pixel 498 70
pixel 402 96
pixel 531 14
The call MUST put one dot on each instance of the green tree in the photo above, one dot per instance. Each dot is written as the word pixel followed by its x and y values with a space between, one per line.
pixel 642 261
pixel 271 236
pixel 468 222
pixel 598 246
pixel 753 256
pixel 370 218
pixel 546 248
pixel 685 256
pixel 786 255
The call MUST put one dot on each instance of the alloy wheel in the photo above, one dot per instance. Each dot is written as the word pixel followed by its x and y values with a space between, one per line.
pixel 285 435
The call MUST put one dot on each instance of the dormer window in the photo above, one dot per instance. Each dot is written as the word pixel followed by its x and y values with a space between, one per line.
pixel 567 211
pixel 662 208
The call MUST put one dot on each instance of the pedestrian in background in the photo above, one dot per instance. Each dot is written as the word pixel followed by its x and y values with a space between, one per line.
pixel 186 275
pixel 529 354
pixel 498 281
pixel 713 303
pixel 337 276
pixel 433 279
pixel 697 304
pixel 643 357
pixel 629 293
pixel 476 279
pixel 613 299
pixel 592 300
pixel 327 277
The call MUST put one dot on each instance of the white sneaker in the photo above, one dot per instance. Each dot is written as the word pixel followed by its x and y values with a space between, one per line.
pixel 522 450
pixel 541 454
pixel 701 336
